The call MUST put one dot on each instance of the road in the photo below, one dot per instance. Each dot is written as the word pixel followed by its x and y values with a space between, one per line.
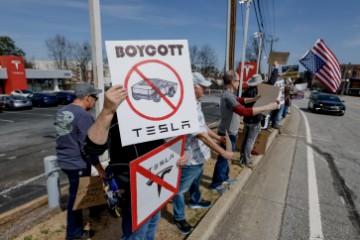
pixel 27 137
pixel 307 186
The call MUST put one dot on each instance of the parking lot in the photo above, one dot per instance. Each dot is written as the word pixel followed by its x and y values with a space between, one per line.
pixel 27 136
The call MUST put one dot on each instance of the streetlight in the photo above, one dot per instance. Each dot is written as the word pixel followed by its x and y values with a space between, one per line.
pixel 258 35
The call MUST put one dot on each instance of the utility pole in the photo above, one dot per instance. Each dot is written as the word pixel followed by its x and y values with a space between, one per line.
pixel 97 59
pixel 248 2
pixel 258 35
pixel 230 35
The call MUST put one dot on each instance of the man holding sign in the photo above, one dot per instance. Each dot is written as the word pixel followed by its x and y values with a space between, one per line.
pixel 104 134
pixel 197 147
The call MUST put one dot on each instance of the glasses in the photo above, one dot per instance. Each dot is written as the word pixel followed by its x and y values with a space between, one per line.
pixel 94 97
pixel 236 80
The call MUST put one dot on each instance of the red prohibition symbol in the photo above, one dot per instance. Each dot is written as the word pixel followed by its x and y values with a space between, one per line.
pixel 175 107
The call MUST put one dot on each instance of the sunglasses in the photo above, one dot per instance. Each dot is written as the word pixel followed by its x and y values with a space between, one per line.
pixel 94 97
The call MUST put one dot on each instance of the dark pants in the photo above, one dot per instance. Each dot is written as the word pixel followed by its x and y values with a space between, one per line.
pixel 221 169
pixel 74 226
pixel 146 231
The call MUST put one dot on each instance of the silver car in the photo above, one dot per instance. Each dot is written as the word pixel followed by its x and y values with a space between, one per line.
pixel 15 102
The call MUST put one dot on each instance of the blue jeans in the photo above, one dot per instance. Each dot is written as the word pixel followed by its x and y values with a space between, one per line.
pixel 221 169
pixel 275 115
pixel 74 225
pixel 284 113
pixel 251 131
pixel 146 231
pixel 189 180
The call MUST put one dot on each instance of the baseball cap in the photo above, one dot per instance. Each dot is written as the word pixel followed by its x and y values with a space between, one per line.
pixel 84 89
pixel 255 80
pixel 198 78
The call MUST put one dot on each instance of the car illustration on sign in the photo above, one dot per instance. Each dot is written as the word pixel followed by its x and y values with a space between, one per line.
pixel 142 90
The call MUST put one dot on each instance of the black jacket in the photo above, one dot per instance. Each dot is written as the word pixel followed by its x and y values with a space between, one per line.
pixel 250 93
pixel 273 77
pixel 120 157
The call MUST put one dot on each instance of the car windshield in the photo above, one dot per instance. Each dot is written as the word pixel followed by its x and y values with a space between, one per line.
pixel 19 98
pixel 26 91
pixel 328 98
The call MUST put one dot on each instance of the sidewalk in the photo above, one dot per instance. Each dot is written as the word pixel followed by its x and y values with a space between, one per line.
pixel 37 222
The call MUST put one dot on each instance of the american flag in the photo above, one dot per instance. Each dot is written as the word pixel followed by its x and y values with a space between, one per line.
pixel 322 62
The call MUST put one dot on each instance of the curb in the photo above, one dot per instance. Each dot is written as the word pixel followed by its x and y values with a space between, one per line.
pixel 207 225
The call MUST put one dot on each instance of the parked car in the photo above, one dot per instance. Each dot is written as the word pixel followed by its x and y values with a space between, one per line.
pixel 1 106
pixel 43 99
pixel 65 97
pixel 15 102
pixel 326 103
pixel 22 92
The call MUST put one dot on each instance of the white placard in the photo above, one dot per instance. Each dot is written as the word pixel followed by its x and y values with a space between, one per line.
pixel 155 180
pixel 161 101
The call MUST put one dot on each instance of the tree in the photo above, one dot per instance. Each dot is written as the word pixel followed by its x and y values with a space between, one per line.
pixel 8 47
pixel 204 60
pixel 82 55
pixel 194 57
pixel 59 49
pixel 252 50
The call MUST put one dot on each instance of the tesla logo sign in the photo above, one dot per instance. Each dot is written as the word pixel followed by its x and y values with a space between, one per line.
pixel 249 70
pixel 16 63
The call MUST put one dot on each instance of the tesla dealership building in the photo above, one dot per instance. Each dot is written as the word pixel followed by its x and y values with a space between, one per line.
pixel 13 75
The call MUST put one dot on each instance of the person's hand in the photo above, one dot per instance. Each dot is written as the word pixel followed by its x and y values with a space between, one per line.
pixel 229 155
pixel 273 105
pixel 222 140
pixel 114 97
pixel 257 97
pixel 101 172
pixel 183 160
pixel 276 64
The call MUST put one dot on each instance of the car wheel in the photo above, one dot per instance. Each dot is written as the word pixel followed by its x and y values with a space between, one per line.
pixel 171 92
pixel 136 97
pixel 156 97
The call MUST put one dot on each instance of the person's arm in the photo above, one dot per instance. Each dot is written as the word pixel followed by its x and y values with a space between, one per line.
pixel 218 139
pixel 203 136
pixel 100 170
pixel 267 107
pixel 247 112
pixel 183 160
pixel 98 132
pixel 253 99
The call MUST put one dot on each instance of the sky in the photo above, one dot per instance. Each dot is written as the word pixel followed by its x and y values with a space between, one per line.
pixel 295 25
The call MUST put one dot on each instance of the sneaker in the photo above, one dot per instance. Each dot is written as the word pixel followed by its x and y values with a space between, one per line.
pixel 220 189
pixel 202 204
pixel 183 226
pixel 85 235
pixel 250 165
pixel 231 181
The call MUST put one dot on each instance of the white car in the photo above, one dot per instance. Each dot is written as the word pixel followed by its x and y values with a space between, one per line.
pixel 23 92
